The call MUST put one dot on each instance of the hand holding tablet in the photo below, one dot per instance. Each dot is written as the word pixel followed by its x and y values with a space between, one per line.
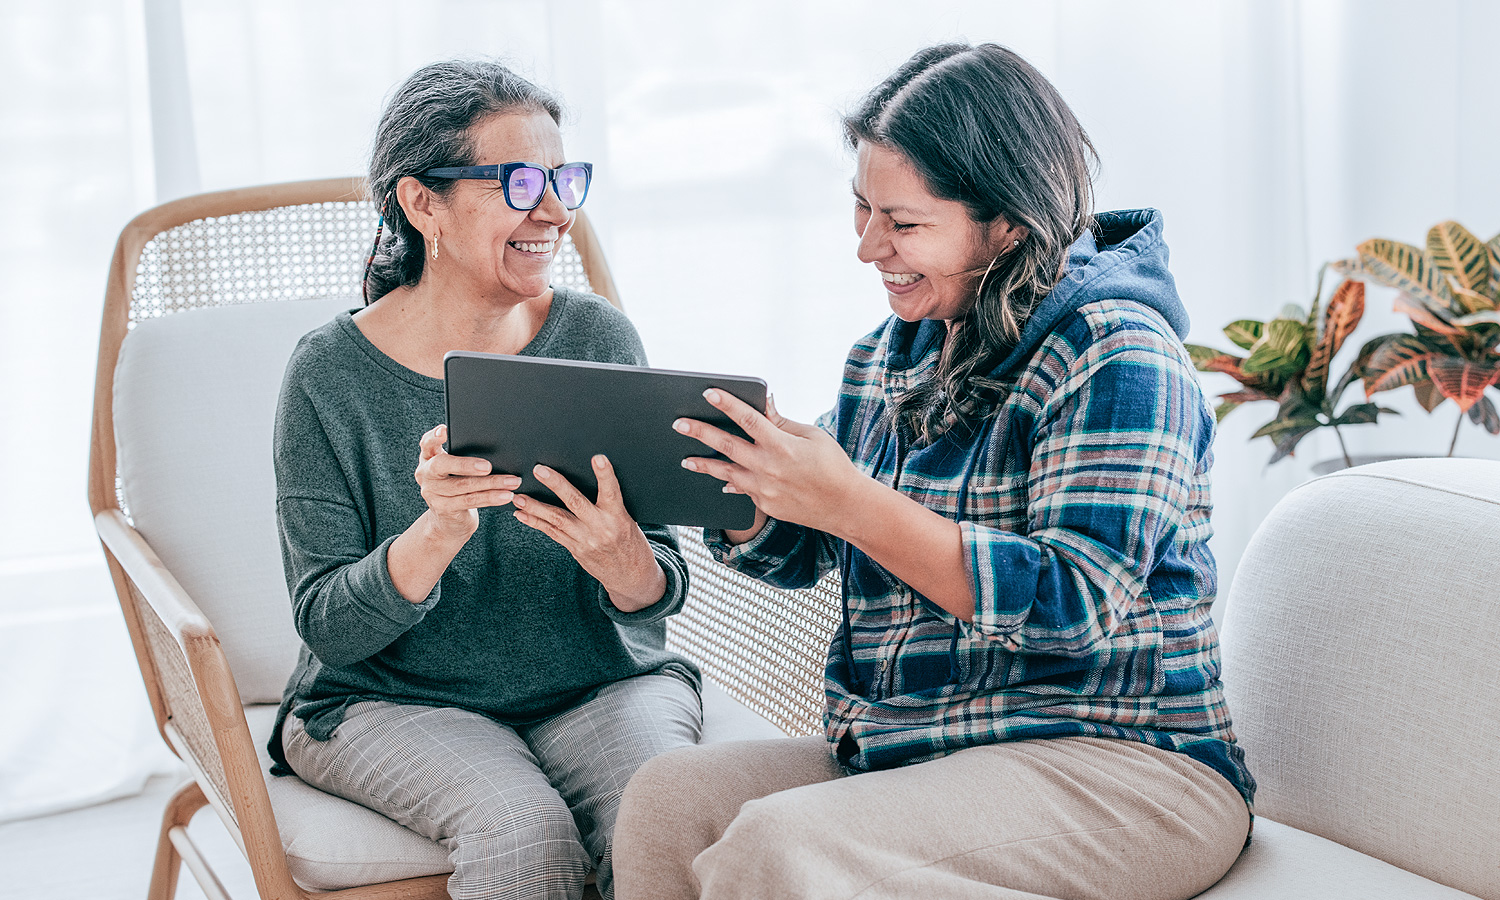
pixel 521 411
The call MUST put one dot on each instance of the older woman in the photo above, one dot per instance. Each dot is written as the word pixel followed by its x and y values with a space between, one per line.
pixel 488 677
pixel 1023 698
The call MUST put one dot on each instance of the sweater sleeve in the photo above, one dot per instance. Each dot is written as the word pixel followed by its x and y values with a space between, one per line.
pixel 344 604
pixel 669 557
pixel 1115 454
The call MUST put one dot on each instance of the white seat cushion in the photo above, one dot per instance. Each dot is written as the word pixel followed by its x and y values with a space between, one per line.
pixel 1286 864
pixel 332 843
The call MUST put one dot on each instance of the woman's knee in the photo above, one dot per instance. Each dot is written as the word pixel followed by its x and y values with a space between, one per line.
pixel 519 850
pixel 769 849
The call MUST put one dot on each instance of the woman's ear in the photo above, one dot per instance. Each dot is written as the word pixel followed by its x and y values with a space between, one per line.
pixel 1005 237
pixel 416 203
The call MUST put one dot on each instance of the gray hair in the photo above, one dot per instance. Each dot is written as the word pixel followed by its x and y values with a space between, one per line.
pixel 427 123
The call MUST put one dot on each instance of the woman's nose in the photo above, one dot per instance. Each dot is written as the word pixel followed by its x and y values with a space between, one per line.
pixel 873 245
pixel 551 209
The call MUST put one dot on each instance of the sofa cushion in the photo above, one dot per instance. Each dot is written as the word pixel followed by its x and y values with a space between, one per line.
pixel 332 843
pixel 1287 864
pixel 1360 665
pixel 195 404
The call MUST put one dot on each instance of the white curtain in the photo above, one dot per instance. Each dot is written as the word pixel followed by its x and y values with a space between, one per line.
pixel 1272 135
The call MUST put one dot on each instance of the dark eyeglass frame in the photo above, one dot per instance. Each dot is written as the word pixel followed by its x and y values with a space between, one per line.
pixel 503 171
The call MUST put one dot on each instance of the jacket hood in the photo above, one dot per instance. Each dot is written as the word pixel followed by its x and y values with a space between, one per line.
pixel 1123 257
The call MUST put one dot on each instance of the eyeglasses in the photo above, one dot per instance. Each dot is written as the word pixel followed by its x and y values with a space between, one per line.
pixel 525 182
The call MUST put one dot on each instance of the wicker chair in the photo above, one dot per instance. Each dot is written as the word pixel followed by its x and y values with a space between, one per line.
pixel 183 500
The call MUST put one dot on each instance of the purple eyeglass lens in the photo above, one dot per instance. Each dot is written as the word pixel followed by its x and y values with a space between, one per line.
pixel 526 186
pixel 572 182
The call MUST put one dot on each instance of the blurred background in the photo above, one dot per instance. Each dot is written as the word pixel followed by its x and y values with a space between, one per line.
pixel 1273 135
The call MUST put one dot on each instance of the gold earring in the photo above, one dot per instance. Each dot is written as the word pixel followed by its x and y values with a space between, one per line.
pixel 434 245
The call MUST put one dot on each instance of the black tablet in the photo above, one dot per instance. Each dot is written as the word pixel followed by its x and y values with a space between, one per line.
pixel 517 411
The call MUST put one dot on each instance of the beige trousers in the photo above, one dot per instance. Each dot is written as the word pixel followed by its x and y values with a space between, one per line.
pixel 1061 818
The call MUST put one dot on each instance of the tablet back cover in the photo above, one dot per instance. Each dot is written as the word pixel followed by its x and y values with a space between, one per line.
pixel 517 411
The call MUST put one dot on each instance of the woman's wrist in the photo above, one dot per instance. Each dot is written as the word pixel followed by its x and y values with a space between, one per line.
pixel 635 594
pixel 418 557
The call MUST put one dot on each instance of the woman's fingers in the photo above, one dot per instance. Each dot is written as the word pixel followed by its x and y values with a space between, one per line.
pixel 722 469
pixel 740 413
pixel 610 500
pixel 571 497
pixel 432 441
pixel 714 438
pixel 458 487
pixel 560 524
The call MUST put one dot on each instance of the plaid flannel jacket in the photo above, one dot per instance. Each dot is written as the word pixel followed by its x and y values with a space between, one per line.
pixel 1084 507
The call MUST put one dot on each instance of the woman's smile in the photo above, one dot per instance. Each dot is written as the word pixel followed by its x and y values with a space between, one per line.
pixel 533 249
pixel 902 282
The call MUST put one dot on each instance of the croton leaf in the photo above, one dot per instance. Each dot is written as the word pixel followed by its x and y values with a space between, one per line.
pixel 1200 355
pixel 1229 365
pixel 1399 361
pixel 1249 395
pixel 1493 246
pixel 1244 333
pixel 1278 427
pixel 1460 255
pixel 1286 444
pixel 1428 394
pixel 1224 409
pixel 1283 349
pixel 1467 300
pixel 1491 316
pixel 1462 380
pixel 1359 414
pixel 1356 371
pixel 1405 268
pixel 1483 413
pixel 1436 318
pixel 1345 309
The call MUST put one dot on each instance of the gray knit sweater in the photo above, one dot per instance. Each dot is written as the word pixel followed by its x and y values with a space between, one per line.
pixel 515 629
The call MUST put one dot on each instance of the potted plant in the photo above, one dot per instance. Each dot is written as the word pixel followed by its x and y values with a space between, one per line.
pixel 1288 360
pixel 1451 292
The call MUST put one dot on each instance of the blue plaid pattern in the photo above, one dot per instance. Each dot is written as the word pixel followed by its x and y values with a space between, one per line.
pixel 1083 502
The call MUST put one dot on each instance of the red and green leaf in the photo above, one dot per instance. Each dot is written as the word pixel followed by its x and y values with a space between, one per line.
pixel 1435 318
pixel 1248 395
pixel 1283 349
pixel 1483 414
pixel 1428 395
pixel 1345 309
pixel 1405 268
pixel 1460 255
pixel 1399 361
pixel 1244 333
pixel 1360 366
pixel 1462 380
pixel 1493 246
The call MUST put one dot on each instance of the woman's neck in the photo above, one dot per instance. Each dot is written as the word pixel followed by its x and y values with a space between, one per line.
pixel 417 325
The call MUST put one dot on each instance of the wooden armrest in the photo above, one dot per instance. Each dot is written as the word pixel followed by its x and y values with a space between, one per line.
pixel 152 580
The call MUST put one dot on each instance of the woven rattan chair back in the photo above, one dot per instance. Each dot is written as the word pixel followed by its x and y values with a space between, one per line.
pixel 309 240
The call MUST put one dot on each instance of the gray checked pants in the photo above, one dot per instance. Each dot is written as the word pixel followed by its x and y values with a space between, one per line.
pixel 524 812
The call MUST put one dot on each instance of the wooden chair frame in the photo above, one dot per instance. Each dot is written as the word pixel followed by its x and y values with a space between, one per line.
pixel 192 690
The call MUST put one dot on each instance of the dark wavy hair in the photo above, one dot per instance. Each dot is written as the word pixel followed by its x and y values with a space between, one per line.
pixel 428 123
pixel 984 128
